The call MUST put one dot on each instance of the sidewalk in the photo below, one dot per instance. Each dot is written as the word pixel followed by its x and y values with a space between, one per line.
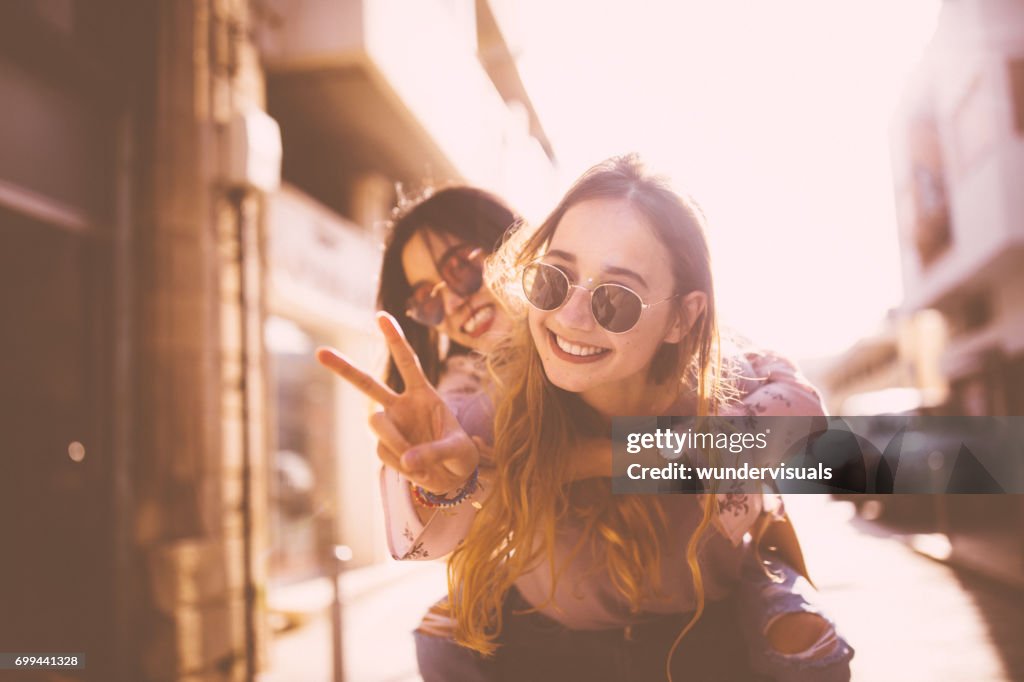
pixel 382 605
pixel 909 618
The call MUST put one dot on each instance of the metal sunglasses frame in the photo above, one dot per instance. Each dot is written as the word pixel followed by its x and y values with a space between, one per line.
pixel 568 295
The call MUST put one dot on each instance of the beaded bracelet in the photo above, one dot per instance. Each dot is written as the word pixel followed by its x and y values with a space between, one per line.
pixel 427 499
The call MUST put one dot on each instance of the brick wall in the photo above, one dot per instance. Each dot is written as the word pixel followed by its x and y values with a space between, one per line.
pixel 199 493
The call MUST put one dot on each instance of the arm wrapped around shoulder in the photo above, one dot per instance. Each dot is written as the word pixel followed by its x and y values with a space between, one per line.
pixel 771 385
pixel 768 386
pixel 764 386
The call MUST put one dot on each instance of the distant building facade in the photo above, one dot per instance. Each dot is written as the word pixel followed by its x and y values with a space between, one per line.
pixel 958 151
pixel 955 346
pixel 958 158
pixel 895 369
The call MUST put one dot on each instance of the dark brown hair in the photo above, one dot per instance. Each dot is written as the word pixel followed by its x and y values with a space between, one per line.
pixel 470 215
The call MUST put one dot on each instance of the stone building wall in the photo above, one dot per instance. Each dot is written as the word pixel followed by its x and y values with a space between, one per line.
pixel 199 493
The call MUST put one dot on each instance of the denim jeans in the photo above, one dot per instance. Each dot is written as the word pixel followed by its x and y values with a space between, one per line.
pixel 534 647
pixel 763 598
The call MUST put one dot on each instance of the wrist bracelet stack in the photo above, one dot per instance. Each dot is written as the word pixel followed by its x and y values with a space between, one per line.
pixel 427 499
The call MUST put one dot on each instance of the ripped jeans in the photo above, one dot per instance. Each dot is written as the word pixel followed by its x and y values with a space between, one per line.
pixel 551 652
pixel 762 600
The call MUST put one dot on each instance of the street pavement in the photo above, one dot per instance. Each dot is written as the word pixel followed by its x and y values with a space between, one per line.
pixel 908 617
pixel 382 606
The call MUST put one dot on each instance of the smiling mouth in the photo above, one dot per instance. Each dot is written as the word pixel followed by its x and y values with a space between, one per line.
pixel 480 320
pixel 575 352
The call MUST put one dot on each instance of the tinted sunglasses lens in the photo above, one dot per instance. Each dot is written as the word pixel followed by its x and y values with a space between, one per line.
pixel 616 308
pixel 545 286
pixel 426 305
pixel 463 275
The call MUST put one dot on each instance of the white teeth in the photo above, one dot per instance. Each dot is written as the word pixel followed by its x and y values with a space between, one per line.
pixel 577 349
pixel 481 316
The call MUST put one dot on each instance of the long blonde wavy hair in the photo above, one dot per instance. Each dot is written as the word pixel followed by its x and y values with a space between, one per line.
pixel 515 530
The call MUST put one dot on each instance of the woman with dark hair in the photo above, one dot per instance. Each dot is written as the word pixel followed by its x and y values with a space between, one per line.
pixel 550 575
pixel 431 278
pixel 432 284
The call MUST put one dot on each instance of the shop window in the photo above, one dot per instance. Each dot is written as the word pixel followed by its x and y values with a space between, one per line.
pixel 931 227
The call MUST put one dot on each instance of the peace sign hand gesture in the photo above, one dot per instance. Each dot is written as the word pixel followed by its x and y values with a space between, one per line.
pixel 418 435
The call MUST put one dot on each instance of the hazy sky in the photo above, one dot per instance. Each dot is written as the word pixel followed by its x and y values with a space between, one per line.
pixel 774 116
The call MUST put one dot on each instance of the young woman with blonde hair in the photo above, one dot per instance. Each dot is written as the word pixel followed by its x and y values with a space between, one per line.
pixel 548 570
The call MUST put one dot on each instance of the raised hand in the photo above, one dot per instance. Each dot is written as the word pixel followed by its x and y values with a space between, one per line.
pixel 418 435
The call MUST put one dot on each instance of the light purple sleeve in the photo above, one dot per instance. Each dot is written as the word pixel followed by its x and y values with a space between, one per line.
pixel 408 536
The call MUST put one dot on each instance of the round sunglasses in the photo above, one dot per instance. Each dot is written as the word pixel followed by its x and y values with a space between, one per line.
pixel 616 308
pixel 460 271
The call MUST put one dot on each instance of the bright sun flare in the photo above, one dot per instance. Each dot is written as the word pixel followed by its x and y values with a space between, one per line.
pixel 774 116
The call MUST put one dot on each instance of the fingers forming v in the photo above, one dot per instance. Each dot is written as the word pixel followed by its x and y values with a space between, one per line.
pixel 449 452
pixel 391 439
pixel 343 367
pixel 401 352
